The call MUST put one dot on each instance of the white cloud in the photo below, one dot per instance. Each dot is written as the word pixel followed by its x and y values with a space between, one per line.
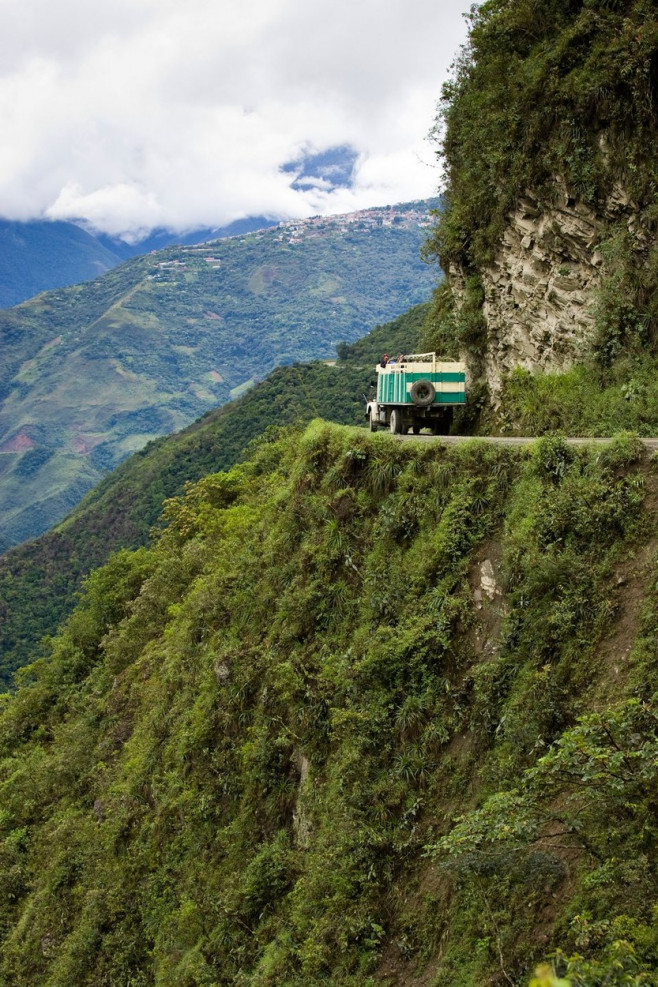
pixel 136 113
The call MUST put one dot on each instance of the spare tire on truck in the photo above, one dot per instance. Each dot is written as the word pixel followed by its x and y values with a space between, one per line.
pixel 422 393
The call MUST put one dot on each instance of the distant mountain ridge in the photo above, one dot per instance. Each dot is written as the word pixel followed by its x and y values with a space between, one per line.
pixel 159 239
pixel 90 373
pixel 40 255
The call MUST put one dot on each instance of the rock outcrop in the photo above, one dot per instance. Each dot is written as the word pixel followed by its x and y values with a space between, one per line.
pixel 540 290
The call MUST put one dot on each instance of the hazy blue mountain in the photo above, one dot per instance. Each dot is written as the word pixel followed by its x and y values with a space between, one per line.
pixel 40 255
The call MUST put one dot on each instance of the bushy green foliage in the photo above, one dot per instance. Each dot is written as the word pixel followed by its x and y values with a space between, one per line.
pixel 230 766
pixel 591 794
pixel 584 400
pixel 533 91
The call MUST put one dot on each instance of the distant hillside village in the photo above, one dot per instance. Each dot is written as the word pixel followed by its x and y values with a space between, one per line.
pixel 403 216
pixel 407 215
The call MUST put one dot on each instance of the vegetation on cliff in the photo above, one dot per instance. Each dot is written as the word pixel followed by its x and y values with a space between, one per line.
pixel 564 88
pixel 582 401
pixel 366 712
pixel 243 760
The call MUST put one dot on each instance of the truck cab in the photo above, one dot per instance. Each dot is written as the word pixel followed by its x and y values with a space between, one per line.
pixel 417 391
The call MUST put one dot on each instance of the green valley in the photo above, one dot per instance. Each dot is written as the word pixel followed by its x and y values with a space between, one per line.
pixel 92 373
pixel 39 579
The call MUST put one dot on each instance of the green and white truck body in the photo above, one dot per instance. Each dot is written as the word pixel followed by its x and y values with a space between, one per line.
pixel 417 391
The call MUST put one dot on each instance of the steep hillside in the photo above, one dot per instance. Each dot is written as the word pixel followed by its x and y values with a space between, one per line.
pixel 367 713
pixel 39 579
pixel 91 373
pixel 547 132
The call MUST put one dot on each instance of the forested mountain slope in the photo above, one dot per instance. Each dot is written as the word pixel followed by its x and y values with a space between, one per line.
pixel 38 579
pixel 91 373
pixel 243 762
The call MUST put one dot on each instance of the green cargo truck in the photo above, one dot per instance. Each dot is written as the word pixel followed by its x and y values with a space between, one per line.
pixel 417 391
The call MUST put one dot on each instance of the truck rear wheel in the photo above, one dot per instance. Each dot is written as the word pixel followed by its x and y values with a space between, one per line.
pixel 396 422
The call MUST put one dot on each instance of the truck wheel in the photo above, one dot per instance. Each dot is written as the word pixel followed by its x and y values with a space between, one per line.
pixel 372 424
pixel 422 393
pixel 416 428
pixel 396 422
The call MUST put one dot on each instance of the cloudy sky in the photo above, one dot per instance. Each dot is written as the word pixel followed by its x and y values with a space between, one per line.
pixel 135 114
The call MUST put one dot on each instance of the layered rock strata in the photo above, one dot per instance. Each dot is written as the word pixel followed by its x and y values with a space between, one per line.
pixel 540 291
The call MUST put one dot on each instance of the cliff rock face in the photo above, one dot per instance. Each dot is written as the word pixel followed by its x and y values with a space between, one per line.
pixel 540 291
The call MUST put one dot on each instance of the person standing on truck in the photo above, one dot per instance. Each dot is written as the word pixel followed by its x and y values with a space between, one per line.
pixel 384 360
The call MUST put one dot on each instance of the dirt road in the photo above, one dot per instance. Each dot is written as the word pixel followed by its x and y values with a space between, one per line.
pixel 507 440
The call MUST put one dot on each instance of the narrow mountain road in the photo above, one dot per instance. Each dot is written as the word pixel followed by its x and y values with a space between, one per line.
pixel 514 440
